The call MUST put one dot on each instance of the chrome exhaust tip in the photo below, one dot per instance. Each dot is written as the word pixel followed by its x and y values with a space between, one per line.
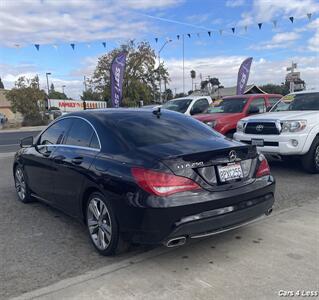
pixel 175 242
pixel 268 212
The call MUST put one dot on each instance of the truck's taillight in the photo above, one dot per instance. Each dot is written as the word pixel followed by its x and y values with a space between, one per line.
pixel 162 184
pixel 263 168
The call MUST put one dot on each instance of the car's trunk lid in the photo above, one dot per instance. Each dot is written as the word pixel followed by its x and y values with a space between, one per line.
pixel 203 160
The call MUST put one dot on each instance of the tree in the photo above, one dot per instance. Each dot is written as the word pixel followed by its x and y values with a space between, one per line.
pixel 168 94
pixel 27 99
pixel 57 95
pixel 1 84
pixel 140 77
pixel 180 95
pixel 270 88
pixel 193 76
pixel 89 94
pixel 52 88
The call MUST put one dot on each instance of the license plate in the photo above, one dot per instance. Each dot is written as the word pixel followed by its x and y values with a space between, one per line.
pixel 230 172
pixel 257 142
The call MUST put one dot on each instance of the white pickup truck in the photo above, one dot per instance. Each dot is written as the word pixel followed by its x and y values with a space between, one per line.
pixel 291 128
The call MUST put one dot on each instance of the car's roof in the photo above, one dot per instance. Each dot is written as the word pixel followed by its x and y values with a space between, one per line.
pixel 305 92
pixel 190 98
pixel 251 95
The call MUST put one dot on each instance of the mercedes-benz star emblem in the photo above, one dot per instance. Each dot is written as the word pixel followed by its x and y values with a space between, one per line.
pixel 232 155
pixel 259 128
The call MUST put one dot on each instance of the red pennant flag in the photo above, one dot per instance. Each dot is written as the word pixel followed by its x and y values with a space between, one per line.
pixel 209 33
pixel 37 46
pixel 73 46
pixel 291 19
pixel 259 25
pixel 233 29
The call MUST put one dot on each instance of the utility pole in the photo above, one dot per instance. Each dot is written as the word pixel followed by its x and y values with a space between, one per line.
pixel 85 87
pixel 291 82
pixel 63 86
pixel 183 66
pixel 47 75
pixel 159 64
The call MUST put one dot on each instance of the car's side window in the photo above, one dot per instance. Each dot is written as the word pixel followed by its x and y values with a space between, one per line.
pixel 260 103
pixel 55 133
pixel 272 101
pixel 199 106
pixel 94 141
pixel 80 134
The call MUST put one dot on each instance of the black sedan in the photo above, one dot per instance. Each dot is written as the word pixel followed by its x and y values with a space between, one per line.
pixel 143 176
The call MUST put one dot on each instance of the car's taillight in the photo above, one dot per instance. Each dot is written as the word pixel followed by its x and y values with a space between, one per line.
pixel 263 168
pixel 162 184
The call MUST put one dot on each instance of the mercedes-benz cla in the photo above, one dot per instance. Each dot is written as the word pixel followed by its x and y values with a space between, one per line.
pixel 143 176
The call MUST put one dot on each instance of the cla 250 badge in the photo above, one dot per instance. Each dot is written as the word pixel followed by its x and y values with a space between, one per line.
pixel 190 165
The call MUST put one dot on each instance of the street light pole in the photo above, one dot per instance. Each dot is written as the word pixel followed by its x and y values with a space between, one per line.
pixel 63 86
pixel 159 63
pixel 47 75
pixel 183 66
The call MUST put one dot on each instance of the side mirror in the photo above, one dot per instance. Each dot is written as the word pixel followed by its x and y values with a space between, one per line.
pixel 253 110
pixel 26 142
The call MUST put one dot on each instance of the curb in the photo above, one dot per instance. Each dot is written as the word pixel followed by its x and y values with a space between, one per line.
pixel 7 155
pixel 22 129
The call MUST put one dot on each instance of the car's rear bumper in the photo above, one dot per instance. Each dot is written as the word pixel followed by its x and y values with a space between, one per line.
pixel 158 225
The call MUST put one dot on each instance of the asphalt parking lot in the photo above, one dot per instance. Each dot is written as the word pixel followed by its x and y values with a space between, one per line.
pixel 40 246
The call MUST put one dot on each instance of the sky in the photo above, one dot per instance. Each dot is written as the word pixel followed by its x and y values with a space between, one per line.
pixel 55 24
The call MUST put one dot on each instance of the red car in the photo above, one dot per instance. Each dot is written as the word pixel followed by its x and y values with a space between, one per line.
pixel 224 115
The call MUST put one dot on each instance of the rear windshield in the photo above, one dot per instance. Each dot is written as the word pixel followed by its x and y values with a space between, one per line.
pixel 307 101
pixel 177 105
pixel 146 129
pixel 228 105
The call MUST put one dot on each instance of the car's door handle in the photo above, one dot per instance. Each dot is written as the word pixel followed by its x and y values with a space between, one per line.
pixel 77 160
pixel 58 158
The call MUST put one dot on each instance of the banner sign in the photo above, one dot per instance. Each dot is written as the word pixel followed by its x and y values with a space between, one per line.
pixel 117 75
pixel 243 75
pixel 75 105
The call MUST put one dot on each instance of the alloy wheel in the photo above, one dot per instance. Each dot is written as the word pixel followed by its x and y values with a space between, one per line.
pixel 20 183
pixel 99 223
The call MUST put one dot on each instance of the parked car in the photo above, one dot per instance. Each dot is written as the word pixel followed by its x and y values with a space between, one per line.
pixel 143 176
pixel 189 106
pixel 224 115
pixel 55 112
pixel 291 128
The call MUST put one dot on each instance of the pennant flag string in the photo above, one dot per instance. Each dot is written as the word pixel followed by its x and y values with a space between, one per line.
pixel 234 29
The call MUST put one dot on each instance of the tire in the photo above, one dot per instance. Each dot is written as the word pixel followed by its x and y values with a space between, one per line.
pixel 21 185
pixel 310 161
pixel 103 228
